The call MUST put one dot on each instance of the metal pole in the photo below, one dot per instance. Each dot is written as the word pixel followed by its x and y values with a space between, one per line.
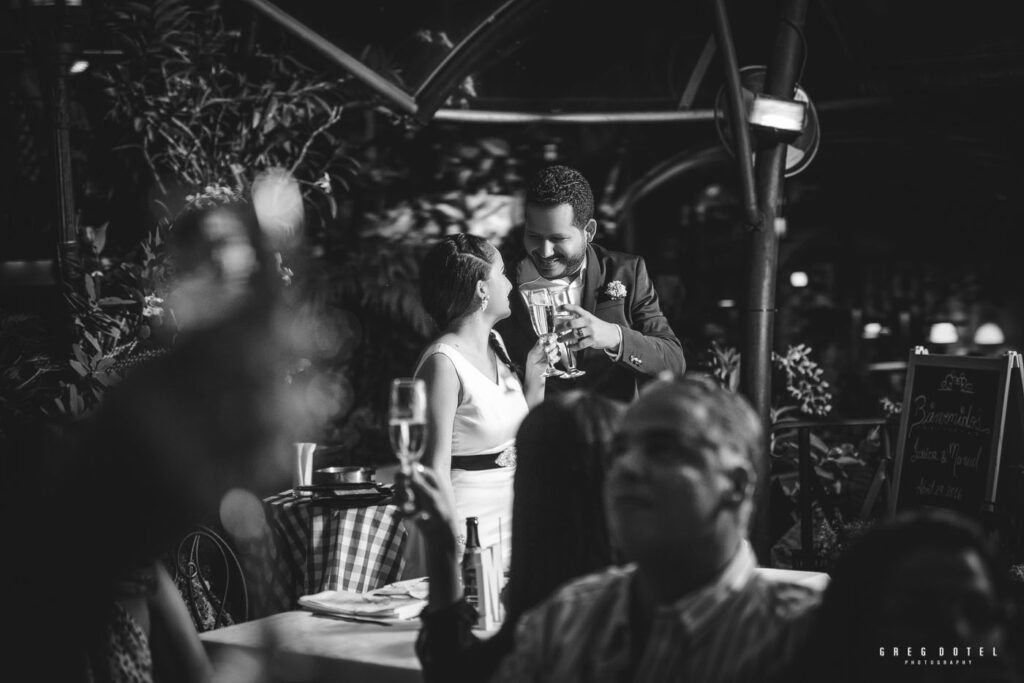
pixel 755 371
pixel 806 476
pixel 60 124
pixel 737 113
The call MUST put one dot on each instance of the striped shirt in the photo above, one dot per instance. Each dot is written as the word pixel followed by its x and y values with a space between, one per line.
pixel 742 627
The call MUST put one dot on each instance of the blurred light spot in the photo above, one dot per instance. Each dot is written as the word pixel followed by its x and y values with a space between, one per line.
pixel 798 278
pixel 79 66
pixel 780 226
pixel 237 260
pixel 327 337
pixel 943 333
pixel 242 515
pixel 277 201
pixel 726 303
pixel 872 330
pixel 989 333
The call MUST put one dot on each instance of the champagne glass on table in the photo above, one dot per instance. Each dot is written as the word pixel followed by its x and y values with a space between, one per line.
pixel 407 427
pixel 562 326
pixel 542 311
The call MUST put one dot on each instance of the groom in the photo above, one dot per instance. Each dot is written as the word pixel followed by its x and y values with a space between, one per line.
pixel 620 336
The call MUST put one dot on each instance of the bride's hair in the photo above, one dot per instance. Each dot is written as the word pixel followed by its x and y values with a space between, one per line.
pixel 449 274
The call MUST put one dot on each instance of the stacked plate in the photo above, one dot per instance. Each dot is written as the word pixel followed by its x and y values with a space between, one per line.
pixel 345 494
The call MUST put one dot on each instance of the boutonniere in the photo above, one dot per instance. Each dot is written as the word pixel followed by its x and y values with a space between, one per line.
pixel 615 290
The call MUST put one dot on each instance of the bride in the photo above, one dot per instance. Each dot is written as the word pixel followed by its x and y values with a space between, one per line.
pixel 475 400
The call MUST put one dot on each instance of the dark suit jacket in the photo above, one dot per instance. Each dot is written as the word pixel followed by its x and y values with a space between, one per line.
pixel 648 343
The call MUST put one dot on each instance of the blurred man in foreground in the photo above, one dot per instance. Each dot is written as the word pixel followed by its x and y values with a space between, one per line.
pixel 691 605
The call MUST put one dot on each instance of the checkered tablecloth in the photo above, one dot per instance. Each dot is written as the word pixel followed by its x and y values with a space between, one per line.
pixel 320 547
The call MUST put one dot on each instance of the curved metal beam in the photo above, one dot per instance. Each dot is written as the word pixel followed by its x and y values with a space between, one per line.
pixel 391 91
pixel 614 117
pixel 465 56
pixel 481 116
pixel 667 170
pixel 682 162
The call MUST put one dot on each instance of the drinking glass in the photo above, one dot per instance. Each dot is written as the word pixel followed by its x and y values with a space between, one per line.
pixel 542 311
pixel 407 426
pixel 562 324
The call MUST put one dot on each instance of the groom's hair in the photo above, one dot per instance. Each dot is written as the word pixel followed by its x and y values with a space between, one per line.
pixel 449 275
pixel 557 185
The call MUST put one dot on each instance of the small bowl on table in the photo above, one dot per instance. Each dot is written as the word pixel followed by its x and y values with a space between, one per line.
pixel 348 474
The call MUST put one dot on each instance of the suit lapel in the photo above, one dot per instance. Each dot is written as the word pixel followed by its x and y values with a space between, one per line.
pixel 593 277
pixel 519 312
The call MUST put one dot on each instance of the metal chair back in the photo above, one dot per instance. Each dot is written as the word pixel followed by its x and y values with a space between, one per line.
pixel 209 575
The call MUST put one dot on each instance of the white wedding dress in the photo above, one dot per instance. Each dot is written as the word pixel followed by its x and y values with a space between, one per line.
pixel 486 420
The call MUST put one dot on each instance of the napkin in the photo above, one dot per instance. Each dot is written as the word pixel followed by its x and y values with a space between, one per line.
pixel 413 588
pixel 366 605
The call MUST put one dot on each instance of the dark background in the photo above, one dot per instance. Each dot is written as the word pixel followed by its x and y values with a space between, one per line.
pixel 910 205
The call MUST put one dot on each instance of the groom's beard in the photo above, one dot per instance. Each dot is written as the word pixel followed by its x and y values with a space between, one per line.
pixel 556 267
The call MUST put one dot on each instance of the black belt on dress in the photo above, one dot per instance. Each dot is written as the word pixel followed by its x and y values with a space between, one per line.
pixel 475 463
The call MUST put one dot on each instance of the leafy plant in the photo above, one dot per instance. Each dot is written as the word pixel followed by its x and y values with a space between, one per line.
pixel 202 118
pixel 203 122
pixel 833 533
pixel 27 369
pixel 838 457
pixel 725 365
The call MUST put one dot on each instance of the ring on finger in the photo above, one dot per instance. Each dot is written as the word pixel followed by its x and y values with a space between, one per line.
pixel 580 333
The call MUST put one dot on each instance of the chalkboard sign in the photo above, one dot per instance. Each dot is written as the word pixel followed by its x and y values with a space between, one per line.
pixel 951 431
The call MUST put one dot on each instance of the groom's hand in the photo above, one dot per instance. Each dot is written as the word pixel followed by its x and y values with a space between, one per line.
pixel 590 332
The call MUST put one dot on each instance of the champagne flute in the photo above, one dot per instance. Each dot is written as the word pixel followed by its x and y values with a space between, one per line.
pixel 542 310
pixel 562 324
pixel 407 427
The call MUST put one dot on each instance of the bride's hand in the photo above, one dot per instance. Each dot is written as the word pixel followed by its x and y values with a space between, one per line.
pixel 543 352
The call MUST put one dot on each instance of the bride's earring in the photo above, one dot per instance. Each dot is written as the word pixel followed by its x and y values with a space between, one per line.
pixel 484 300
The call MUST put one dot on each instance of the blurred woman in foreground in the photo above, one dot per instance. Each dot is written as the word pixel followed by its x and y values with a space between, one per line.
pixel 92 598
pixel 559 532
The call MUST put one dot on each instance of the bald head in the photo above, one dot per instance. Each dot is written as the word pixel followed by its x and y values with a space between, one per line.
pixel 700 413
pixel 680 491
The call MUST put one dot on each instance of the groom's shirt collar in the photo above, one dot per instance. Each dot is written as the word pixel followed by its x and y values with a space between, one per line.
pixel 529 279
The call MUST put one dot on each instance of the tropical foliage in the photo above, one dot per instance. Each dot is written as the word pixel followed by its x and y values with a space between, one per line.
pixel 843 458
pixel 201 113
pixel 203 122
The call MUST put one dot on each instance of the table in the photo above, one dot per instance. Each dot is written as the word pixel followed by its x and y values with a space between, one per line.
pixel 323 648
pixel 319 547
pixel 315 648
pixel 818 580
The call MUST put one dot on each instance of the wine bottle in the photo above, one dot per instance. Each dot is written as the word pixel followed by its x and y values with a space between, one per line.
pixel 472 565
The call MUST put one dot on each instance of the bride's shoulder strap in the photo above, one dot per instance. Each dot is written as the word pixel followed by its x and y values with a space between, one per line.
pixel 446 350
